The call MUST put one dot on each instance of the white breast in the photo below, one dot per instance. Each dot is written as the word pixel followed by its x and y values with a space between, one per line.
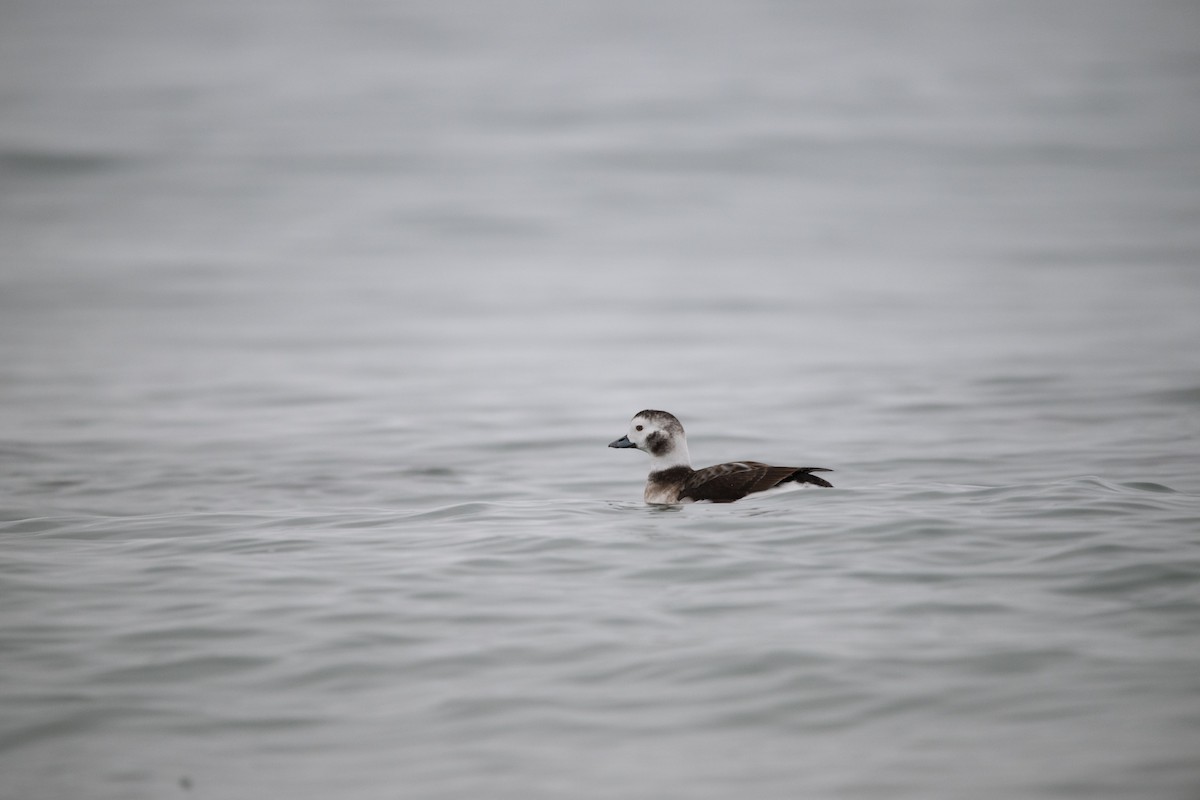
pixel 659 494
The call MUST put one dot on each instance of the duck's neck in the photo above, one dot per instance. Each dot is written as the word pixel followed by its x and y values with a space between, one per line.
pixel 677 456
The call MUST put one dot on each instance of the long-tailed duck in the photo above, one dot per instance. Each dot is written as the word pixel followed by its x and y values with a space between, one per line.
pixel 672 479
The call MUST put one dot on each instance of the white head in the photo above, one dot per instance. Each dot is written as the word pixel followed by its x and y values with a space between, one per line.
pixel 661 435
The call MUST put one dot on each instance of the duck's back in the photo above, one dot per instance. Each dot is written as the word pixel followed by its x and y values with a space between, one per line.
pixel 725 483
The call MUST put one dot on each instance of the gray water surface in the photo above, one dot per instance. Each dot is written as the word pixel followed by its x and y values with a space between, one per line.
pixel 316 317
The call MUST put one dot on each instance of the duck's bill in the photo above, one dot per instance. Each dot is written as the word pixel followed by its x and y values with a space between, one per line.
pixel 622 442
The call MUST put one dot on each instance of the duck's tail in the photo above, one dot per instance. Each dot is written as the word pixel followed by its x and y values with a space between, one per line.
pixel 805 475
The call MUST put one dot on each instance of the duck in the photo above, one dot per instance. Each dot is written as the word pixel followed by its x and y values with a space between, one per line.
pixel 673 481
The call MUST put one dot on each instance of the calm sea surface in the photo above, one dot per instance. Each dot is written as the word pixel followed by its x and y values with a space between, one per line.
pixel 316 318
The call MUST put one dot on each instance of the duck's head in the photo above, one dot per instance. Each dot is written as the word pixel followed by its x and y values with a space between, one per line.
pixel 655 432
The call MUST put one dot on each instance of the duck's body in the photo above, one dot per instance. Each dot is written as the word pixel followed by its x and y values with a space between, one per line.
pixel 672 479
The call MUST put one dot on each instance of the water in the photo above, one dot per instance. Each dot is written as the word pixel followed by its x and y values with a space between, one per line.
pixel 315 319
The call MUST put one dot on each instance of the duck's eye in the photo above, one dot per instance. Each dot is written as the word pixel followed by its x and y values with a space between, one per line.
pixel 638 428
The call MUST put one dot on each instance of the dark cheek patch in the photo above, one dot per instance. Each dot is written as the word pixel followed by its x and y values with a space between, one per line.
pixel 658 443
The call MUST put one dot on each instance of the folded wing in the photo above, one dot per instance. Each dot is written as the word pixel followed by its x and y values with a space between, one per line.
pixel 725 483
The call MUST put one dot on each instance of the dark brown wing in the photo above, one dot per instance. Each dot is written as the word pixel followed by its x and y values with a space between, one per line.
pixel 725 483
